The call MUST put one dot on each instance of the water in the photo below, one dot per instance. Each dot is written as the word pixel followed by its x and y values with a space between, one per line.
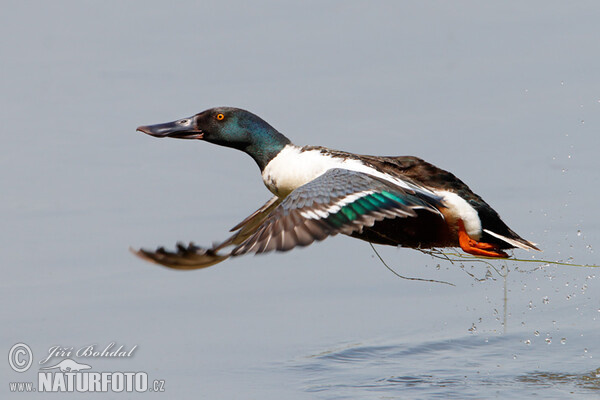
pixel 506 99
pixel 481 367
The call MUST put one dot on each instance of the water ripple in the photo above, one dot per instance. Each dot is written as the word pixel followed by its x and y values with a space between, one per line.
pixel 465 367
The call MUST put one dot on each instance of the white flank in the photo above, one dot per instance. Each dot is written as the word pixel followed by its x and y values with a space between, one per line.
pixel 459 208
pixel 292 168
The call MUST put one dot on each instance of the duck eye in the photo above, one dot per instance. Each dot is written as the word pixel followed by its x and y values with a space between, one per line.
pixel 220 117
pixel 183 121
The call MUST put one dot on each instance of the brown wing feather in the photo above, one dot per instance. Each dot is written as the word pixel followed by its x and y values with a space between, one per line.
pixel 195 257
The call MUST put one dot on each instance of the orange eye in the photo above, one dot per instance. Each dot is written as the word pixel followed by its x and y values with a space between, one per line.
pixel 220 117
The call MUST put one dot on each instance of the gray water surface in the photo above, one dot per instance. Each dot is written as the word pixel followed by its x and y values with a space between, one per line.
pixel 506 96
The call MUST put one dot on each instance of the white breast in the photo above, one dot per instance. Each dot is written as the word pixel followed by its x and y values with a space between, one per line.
pixel 292 168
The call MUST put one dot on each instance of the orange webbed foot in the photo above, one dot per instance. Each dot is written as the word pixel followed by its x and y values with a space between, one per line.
pixel 477 248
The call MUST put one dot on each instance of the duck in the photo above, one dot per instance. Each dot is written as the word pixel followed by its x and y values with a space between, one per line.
pixel 318 192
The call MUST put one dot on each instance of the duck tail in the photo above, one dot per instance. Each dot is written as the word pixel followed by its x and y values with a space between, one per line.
pixel 515 241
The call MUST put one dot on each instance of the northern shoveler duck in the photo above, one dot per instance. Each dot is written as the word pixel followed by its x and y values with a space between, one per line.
pixel 318 192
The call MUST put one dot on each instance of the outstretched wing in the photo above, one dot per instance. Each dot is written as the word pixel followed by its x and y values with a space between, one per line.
pixel 185 257
pixel 338 201
pixel 195 257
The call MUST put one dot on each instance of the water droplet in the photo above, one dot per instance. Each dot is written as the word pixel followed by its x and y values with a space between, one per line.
pixel 585 350
pixel 536 333
pixel 528 342
pixel 473 328
pixel 545 300
pixel 578 232
pixel 563 340
pixel 514 356
pixel 548 340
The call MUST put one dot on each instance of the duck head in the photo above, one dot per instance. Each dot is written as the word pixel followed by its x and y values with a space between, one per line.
pixel 226 126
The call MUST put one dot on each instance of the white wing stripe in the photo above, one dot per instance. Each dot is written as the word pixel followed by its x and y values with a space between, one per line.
pixel 334 208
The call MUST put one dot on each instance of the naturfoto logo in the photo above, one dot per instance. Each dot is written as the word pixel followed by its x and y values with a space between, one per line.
pixel 59 372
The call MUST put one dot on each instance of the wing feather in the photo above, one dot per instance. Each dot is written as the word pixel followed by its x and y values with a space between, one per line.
pixel 196 257
pixel 338 201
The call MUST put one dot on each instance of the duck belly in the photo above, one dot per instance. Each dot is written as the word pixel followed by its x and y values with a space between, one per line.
pixel 425 231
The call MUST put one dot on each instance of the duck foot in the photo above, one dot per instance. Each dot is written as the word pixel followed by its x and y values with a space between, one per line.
pixel 477 248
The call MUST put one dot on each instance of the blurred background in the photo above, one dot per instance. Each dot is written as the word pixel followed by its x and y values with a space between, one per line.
pixel 506 96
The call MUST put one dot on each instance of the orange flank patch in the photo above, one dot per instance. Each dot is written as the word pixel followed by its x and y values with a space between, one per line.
pixel 477 248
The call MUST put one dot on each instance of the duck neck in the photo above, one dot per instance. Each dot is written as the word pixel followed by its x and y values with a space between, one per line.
pixel 266 147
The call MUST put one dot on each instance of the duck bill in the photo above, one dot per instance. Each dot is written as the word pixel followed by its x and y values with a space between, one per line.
pixel 181 129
